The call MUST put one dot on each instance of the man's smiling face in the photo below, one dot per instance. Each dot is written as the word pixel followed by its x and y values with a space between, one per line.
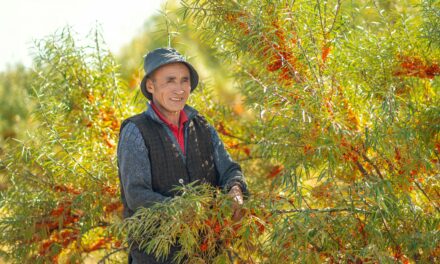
pixel 170 86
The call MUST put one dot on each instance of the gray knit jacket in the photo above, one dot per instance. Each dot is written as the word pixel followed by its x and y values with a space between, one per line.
pixel 135 169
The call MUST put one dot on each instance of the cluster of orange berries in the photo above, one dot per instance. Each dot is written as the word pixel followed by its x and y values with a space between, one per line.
pixel 216 228
pixel 350 153
pixel 325 50
pixel 66 237
pixel 222 129
pixel 275 171
pixel 412 173
pixel 412 66
pixel 114 206
pixel 63 238
pixel 224 231
pixel 237 18
pixel 279 51
pixel 238 146
pixel 66 189
pixel 323 190
pixel 61 215
pixel 64 217
pixel 308 149
pixel 232 145
pixel 108 115
pixel 106 118
pixel 350 116
pixel 111 191
pixel 101 243
pixel 282 57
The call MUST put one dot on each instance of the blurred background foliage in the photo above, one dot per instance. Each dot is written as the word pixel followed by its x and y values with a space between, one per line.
pixel 325 104
pixel 59 129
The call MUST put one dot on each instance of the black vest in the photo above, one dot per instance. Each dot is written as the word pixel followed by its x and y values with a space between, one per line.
pixel 168 169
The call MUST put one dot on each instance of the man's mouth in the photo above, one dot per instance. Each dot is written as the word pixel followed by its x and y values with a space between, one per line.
pixel 176 99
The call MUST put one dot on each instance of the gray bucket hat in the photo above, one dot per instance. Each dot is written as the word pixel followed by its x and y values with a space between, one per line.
pixel 160 57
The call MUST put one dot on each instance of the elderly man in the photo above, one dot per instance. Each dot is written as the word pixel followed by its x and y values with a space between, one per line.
pixel 170 143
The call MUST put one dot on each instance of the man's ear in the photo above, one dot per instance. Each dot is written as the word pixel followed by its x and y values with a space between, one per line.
pixel 150 85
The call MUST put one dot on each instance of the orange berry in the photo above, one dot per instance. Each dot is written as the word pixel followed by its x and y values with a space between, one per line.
pixel 204 247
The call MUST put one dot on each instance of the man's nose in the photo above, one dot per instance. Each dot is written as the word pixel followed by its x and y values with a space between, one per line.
pixel 179 89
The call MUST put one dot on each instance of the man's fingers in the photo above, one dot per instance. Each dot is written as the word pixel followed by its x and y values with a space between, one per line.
pixel 236 194
pixel 237 197
pixel 237 215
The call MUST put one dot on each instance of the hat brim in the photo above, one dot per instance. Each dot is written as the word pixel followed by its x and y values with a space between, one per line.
pixel 194 78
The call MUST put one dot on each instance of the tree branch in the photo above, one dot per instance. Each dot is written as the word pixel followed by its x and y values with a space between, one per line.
pixel 326 210
pixel 103 260
pixel 370 162
pixel 427 196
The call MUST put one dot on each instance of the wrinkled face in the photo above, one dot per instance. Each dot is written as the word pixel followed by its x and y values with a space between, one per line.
pixel 170 86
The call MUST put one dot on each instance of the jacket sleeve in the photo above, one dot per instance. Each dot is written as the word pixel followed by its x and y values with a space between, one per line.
pixel 229 171
pixel 135 169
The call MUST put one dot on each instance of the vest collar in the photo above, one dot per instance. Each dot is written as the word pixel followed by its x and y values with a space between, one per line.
pixel 189 111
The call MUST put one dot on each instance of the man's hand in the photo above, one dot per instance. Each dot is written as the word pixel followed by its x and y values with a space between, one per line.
pixel 237 197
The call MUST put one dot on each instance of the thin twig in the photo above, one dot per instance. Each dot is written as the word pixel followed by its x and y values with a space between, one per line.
pixel 103 260
pixel 362 169
pixel 427 196
pixel 327 210
pixel 387 228
pixel 338 7
pixel 237 256
pixel 318 4
pixel 369 161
